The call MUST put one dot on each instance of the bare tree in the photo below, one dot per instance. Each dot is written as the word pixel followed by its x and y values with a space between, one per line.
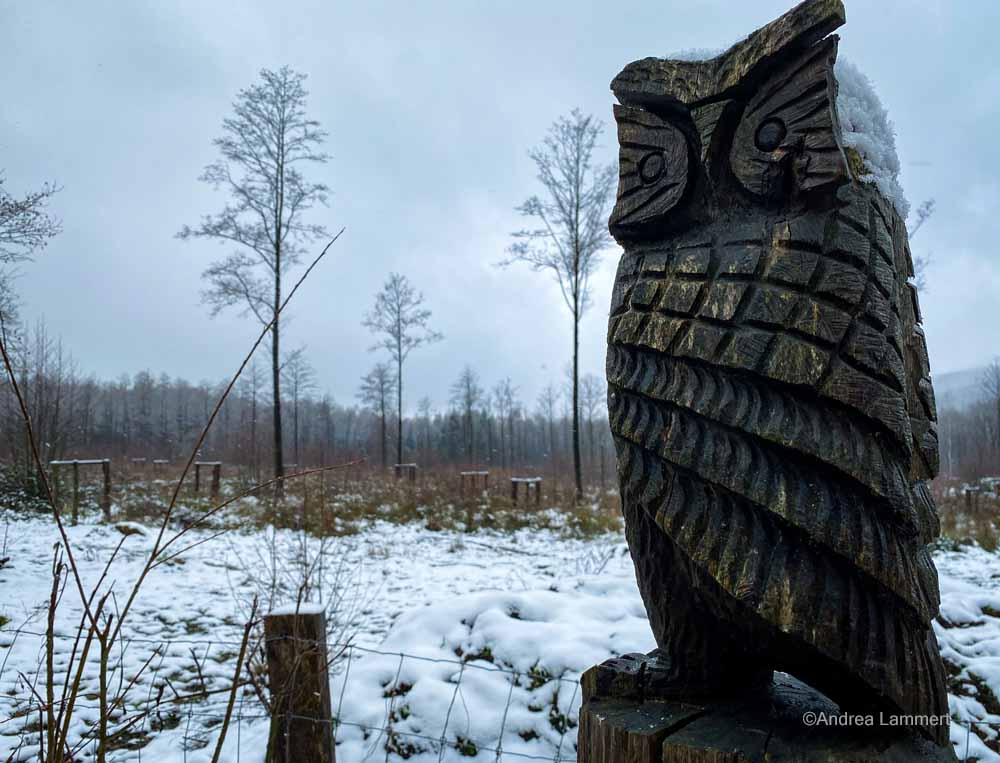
pixel 249 389
pixel 991 387
pixel 504 393
pixel 593 393
pixel 548 399
pixel 264 143
pixel 424 413
pixel 573 227
pixel 300 377
pixel 376 393
pixel 466 394
pixel 921 261
pixel 400 317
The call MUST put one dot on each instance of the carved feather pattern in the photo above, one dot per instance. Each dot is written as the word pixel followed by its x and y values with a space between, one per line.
pixel 653 167
pixel 770 402
pixel 799 103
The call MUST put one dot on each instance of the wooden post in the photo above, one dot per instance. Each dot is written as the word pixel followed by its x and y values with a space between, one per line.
pixel 513 489
pixel 300 686
pixel 106 497
pixel 538 492
pixel 76 492
pixel 197 477
pixel 623 721
pixel 56 488
pixel 216 480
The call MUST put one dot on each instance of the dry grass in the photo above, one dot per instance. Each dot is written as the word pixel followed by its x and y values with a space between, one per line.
pixel 342 503
pixel 964 522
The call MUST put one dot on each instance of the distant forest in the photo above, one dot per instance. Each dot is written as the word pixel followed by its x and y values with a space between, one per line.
pixel 160 417
pixel 146 416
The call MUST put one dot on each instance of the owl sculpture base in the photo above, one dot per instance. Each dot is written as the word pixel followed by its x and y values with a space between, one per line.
pixel 770 398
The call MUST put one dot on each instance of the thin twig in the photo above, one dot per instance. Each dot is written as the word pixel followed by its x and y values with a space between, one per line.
pixel 236 678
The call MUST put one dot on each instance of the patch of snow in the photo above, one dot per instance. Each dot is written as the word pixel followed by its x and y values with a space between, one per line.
pixel 865 127
pixel 479 637
pixel 304 608
pixel 696 54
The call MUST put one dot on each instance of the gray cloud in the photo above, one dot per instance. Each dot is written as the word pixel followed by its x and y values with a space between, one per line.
pixel 431 108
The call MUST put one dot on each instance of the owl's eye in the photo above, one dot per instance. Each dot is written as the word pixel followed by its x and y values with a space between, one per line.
pixel 770 134
pixel 651 167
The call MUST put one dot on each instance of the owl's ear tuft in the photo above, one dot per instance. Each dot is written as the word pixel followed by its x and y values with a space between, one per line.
pixel 652 169
pixel 789 132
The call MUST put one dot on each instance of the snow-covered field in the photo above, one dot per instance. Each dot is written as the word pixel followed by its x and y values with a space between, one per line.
pixel 474 639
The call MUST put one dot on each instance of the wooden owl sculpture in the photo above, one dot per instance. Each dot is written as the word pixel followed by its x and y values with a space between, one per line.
pixel 769 391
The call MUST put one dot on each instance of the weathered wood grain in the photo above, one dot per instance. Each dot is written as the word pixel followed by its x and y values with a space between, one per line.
pixel 657 80
pixel 301 713
pixel 769 394
pixel 773 723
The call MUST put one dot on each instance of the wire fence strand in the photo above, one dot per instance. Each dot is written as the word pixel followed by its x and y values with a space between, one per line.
pixel 197 712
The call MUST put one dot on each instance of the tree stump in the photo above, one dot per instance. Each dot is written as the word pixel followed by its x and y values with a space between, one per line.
pixel 628 718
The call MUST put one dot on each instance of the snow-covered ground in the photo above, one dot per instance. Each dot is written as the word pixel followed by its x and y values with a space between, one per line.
pixel 476 639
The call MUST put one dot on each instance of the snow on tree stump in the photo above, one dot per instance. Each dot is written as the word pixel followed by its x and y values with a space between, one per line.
pixel 297 667
pixel 630 716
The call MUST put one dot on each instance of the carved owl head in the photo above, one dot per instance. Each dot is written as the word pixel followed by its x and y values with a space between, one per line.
pixel 754 126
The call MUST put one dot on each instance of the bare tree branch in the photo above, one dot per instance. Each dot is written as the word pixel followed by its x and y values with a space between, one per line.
pixel 25 224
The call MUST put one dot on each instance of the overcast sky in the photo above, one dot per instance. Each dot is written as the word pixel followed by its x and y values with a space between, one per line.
pixel 431 108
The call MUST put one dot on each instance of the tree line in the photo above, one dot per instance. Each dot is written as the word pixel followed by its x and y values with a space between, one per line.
pixel 969 437
pixel 159 417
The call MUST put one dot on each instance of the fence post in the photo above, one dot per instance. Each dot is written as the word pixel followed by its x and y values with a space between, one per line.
pixel 197 477
pixel 106 498
pixel 301 714
pixel 216 479
pixel 513 491
pixel 76 491
pixel 538 493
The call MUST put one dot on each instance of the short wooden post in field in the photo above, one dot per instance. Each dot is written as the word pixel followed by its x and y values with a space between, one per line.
pixel 473 478
pixel 529 483
pixel 106 496
pixel 409 470
pixel 76 492
pixel 216 476
pixel 297 668
pixel 105 464
pixel 216 480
